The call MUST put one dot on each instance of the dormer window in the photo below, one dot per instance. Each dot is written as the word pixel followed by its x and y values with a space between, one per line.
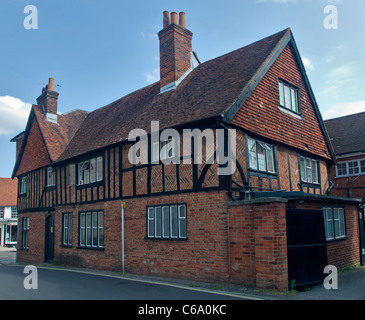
pixel 288 97
pixel 90 171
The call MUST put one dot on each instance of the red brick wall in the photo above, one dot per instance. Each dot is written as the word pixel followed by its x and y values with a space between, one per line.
pixel 203 256
pixel 257 235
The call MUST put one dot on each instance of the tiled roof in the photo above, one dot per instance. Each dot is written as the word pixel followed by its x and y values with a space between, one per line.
pixel 208 91
pixel 57 136
pixel 347 133
pixel 8 192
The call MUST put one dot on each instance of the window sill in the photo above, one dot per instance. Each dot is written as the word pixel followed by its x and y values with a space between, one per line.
pixel 290 112
pixel 274 174
pixel 337 239
pixel 91 248
pixel 166 239
pixel 89 185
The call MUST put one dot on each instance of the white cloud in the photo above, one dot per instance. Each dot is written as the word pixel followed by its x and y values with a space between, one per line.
pixel 344 109
pixel 338 82
pixel 307 64
pixel 13 115
pixel 152 76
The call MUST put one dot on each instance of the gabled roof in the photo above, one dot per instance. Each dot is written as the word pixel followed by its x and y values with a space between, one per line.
pixel 347 133
pixel 8 192
pixel 56 136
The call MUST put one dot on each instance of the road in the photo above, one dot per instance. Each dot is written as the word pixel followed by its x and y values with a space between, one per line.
pixel 69 285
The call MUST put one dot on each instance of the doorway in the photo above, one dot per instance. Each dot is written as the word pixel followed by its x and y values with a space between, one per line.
pixel 49 239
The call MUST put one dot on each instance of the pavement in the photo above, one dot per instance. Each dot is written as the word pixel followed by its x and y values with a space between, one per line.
pixel 350 284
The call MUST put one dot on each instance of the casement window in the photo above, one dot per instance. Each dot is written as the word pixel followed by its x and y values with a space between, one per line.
pixel 261 156
pixel 334 223
pixel 14 213
pixel 163 150
pixel 309 170
pixel 67 229
pixel 91 230
pixel 51 177
pixel 2 209
pixel 350 168
pixel 23 185
pixel 90 171
pixel 167 222
pixel 288 97
pixel 25 232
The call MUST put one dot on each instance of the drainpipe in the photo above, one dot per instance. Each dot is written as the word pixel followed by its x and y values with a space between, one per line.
pixel 122 218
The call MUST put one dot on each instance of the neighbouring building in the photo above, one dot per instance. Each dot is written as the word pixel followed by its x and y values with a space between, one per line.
pixel 269 223
pixel 8 212
pixel 347 135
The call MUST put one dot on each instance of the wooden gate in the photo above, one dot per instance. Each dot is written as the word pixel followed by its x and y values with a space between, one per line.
pixel 307 250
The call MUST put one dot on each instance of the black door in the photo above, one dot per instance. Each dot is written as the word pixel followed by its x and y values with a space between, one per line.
pixel 49 239
pixel 307 250
pixel 362 235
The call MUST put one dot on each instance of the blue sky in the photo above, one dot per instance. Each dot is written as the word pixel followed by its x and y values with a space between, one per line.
pixel 99 51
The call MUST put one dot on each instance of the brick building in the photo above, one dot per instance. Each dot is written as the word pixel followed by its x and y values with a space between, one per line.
pixel 8 212
pixel 182 218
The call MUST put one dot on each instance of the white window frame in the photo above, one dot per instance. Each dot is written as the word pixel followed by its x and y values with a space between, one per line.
pixel 307 170
pixel 334 223
pixel 263 161
pixel 167 221
pixel 360 165
pixel 67 229
pixel 23 185
pixel 51 177
pixel 288 97
pixel 90 171
pixel 89 227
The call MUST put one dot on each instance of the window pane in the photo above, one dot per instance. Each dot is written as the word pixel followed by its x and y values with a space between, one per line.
pixel 308 169
pixel 287 97
pixel 281 94
pixel 252 152
pixel 166 221
pixel 88 228
pixel 174 222
pixel 261 157
pixel 151 222
pixel 314 171
pixel 294 104
pixel 362 165
pixel 94 228
pixel 302 169
pixel 270 160
pixel 182 221
pixel 353 167
pixel 92 170
pixel 158 222
pixel 342 230
pixel 99 164
pixel 342 169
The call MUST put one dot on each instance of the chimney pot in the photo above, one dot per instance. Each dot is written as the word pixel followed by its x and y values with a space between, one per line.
pixel 174 17
pixel 182 19
pixel 166 19
pixel 51 84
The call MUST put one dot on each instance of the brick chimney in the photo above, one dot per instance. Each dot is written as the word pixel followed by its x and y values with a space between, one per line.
pixel 48 101
pixel 176 56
